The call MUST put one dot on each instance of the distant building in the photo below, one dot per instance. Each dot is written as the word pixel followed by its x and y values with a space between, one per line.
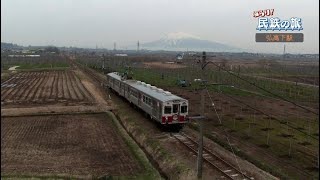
pixel 124 55
pixel 16 55
pixel 33 55
pixel 22 55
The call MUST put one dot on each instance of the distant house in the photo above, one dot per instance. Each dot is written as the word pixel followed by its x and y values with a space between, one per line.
pixel 22 55
pixel 124 55
pixel 33 55
pixel 15 55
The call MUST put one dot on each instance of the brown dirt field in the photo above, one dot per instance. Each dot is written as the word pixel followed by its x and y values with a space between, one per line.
pixel 275 107
pixel 64 145
pixel 175 148
pixel 227 107
pixel 95 89
pixel 312 80
pixel 163 65
pixel 46 87
pixel 51 109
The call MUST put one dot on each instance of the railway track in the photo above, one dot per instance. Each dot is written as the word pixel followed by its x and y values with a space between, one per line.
pixel 298 169
pixel 228 170
pixel 92 74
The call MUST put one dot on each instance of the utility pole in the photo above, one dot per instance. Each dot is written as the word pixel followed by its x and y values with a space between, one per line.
pixel 202 117
pixel 103 61
pixel 200 148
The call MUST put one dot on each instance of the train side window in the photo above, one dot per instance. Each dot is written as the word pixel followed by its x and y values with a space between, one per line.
pixel 167 109
pixel 134 93
pixel 184 109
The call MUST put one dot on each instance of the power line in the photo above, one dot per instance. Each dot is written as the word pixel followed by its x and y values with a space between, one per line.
pixel 204 64
pixel 252 83
pixel 225 133
pixel 272 117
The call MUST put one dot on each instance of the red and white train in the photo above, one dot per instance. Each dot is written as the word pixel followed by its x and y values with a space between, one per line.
pixel 162 106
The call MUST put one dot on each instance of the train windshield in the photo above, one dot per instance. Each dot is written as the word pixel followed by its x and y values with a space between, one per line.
pixel 175 108
pixel 167 109
pixel 184 109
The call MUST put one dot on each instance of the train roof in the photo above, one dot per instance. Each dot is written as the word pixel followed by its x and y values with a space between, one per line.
pixel 149 90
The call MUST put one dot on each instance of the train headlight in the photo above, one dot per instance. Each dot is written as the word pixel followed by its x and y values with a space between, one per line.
pixel 175 117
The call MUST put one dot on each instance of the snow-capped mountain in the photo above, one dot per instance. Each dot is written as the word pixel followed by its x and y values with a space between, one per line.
pixel 180 41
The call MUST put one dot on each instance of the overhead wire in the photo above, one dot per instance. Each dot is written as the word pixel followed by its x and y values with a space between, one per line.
pixel 263 89
pixel 272 117
pixel 225 133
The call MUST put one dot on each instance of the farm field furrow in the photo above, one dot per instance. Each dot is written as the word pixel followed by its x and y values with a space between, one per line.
pixel 34 90
pixel 41 88
pixel 66 93
pixel 7 91
pixel 10 81
pixel 54 87
pixel 75 86
pixel 60 86
pixel 73 94
pixel 81 88
pixel 44 87
pixel 64 144
pixel 28 88
pixel 26 83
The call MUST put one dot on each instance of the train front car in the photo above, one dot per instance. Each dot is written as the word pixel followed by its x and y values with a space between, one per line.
pixel 161 106
pixel 174 111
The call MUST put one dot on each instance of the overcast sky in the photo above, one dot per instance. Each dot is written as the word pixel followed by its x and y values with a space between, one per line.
pixel 85 23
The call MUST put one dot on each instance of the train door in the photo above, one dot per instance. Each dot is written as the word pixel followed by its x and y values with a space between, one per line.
pixel 119 88
pixel 139 98
pixel 176 111
pixel 127 91
pixel 155 108
pixel 122 89
pixel 159 110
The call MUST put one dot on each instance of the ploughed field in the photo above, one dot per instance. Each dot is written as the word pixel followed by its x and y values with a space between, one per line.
pixel 62 145
pixel 43 87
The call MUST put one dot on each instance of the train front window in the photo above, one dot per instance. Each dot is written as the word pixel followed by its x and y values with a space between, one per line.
pixel 184 109
pixel 167 109
pixel 175 108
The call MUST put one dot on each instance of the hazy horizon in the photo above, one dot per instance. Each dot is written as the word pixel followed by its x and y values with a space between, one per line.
pixel 85 24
